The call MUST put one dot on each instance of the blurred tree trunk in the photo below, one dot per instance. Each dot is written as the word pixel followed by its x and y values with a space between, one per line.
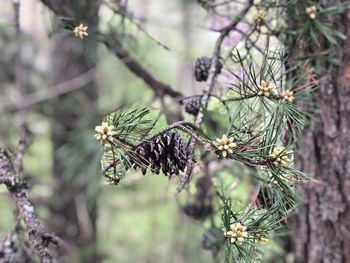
pixel 322 228
pixel 71 217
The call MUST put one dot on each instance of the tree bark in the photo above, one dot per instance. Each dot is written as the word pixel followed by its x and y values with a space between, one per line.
pixel 72 57
pixel 322 228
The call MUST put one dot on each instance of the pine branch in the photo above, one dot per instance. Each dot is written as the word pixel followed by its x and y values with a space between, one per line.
pixel 123 12
pixel 44 95
pixel 22 90
pixel 38 237
pixel 160 89
pixel 184 126
pixel 58 8
pixel 11 176
pixel 208 90
pixel 242 98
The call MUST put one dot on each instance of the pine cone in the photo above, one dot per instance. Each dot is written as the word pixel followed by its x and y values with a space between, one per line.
pixel 202 67
pixel 167 153
pixel 192 104
pixel 201 205
pixel 197 210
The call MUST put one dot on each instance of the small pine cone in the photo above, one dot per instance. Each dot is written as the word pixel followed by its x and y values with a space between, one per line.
pixel 192 104
pixel 197 210
pixel 201 206
pixel 203 185
pixel 202 67
pixel 167 153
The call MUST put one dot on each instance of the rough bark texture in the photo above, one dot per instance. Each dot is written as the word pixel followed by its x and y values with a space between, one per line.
pixel 35 231
pixel 72 57
pixel 322 229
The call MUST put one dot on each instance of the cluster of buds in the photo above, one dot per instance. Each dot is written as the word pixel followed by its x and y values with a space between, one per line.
pixel 259 16
pixel 262 238
pixel 80 31
pixel 237 233
pixel 287 96
pixel 311 11
pixel 280 156
pixel 105 132
pixel 266 88
pixel 225 145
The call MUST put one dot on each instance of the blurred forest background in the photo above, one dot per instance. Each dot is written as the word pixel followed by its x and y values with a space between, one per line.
pixel 72 83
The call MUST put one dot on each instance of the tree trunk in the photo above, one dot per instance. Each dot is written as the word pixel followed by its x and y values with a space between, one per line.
pixel 71 57
pixel 322 228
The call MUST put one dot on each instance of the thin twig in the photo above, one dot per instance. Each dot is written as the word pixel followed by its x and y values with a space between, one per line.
pixel 125 14
pixel 22 89
pixel 242 98
pixel 38 237
pixel 51 93
pixel 158 87
pixel 208 90
pixel 12 176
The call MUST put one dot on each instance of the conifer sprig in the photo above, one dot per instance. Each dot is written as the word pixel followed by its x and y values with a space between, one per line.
pixel 256 138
